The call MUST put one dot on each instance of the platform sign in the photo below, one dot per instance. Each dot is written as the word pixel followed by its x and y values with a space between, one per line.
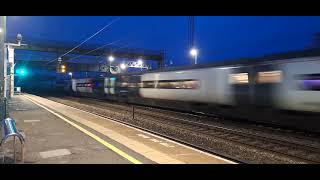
pixel 114 70
pixel 134 64
pixel 103 68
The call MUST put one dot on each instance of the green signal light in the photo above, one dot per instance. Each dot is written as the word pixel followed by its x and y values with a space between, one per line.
pixel 21 72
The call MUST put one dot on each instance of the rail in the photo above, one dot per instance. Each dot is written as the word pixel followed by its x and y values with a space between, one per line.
pixel 8 129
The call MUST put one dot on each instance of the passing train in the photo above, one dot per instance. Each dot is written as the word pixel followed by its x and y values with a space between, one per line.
pixel 284 92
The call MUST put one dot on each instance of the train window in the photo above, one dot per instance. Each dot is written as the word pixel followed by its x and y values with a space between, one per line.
pixel 168 85
pixel 172 84
pixel 239 78
pixel 135 85
pixel 148 84
pixel 269 77
pixel 84 85
pixel 129 85
pixel 132 85
pixel 122 84
pixel 309 82
pixel 190 84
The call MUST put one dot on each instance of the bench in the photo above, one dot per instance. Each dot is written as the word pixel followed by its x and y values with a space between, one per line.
pixel 8 129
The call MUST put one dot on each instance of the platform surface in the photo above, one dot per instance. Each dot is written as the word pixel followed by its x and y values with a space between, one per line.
pixel 56 133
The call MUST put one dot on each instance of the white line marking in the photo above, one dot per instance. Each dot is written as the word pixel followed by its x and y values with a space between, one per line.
pixel 55 153
pixel 166 145
pixel 33 120
pixel 144 136
pixel 155 140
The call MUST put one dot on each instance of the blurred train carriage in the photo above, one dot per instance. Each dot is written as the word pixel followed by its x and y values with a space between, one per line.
pixel 114 87
pixel 270 90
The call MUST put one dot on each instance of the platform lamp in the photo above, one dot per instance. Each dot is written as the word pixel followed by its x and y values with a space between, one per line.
pixel 123 66
pixel 70 74
pixel 194 53
pixel 110 59
pixel 140 63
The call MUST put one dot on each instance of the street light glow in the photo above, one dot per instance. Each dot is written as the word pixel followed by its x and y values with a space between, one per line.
pixel 111 58
pixel 140 62
pixel 123 66
pixel 193 52
pixel 70 73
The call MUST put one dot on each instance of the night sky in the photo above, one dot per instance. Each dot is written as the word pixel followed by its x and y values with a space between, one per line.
pixel 217 37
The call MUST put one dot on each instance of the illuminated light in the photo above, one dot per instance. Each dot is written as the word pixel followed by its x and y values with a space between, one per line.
pixel 63 70
pixel 1 30
pixel 70 73
pixel 194 52
pixel 240 78
pixel 111 58
pixel 63 66
pixel 21 72
pixel 270 77
pixel 123 66
pixel 140 62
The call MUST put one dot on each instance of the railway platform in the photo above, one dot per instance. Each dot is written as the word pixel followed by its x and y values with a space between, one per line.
pixel 59 134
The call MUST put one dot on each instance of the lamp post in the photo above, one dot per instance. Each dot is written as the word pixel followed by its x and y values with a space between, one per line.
pixel 2 65
pixel 194 53
pixel 11 47
pixel 140 63
pixel 70 74
pixel 110 59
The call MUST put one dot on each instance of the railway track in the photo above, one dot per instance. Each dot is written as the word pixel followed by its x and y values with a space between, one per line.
pixel 248 144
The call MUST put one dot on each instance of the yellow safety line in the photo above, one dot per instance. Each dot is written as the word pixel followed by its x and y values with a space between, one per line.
pixel 108 145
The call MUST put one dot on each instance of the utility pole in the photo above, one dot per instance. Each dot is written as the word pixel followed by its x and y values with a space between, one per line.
pixel 191 31
pixel 191 45
pixel 3 70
